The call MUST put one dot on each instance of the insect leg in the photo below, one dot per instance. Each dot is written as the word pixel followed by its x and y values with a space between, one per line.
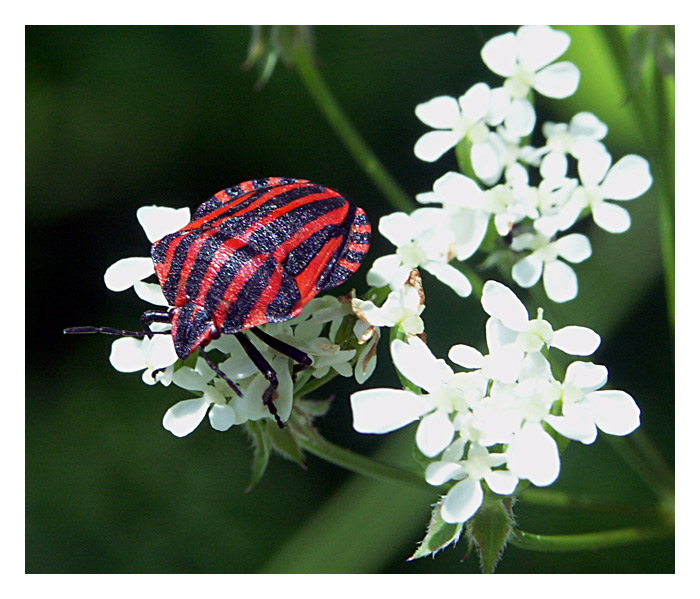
pixel 108 331
pixel 151 316
pixel 219 372
pixel 303 360
pixel 267 371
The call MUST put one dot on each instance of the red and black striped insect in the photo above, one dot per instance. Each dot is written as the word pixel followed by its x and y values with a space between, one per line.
pixel 253 254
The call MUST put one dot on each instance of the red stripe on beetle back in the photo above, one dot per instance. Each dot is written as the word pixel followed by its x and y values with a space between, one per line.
pixel 333 217
pixel 351 266
pixel 361 248
pixel 263 199
pixel 192 253
pixel 362 228
pixel 307 278
pixel 258 314
pixel 246 271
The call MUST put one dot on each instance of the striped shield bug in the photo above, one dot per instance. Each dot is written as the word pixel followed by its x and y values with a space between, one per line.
pixel 253 254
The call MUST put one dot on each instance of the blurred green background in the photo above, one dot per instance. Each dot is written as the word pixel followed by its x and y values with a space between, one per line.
pixel 120 117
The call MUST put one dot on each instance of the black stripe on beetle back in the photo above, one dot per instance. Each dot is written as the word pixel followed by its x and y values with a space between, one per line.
pixel 248 297
pixel 298 259
pixel 226 274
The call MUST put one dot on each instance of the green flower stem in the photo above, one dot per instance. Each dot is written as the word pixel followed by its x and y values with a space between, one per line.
pixel 560 500
pixel 341 124
pixel 589 541
pixel 653 112
pixel 314 443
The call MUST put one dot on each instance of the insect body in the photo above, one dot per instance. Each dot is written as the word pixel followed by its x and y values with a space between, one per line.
pixel 253 254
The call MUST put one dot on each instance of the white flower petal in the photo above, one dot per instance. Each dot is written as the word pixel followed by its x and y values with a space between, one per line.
pixel 127 355
pixel 611 217
pixel 500 302
pixel 500 54
pixel 593 166
pixel 576 424
pixel 159 352
pixel 558 81
pixel 439 113
pixel 430 146
pixel 470 228
pixel 438 473
pixel 475 102
pixel 383 270
pixel 520 118
pixel 435 432
pixel 554 166
pixel 574 248
pixel 190 379
pixel 159 221
pixel 416 362
pixel 527 271
pixel 185 416
pixel 462 501
pixel 560 282
pixel 501 481
pixel 504 363
pixel 628 178
pixel 588 125
pixel 450 276
pixel 397 227
pixel 466 356
pixel 533 455
pixel 615 412
pixel 486 162
pixel 222 417
pixel 455 189
pixel 151 293
pixel 575 340
pixel 586 376
pixel 384 410
pixel 127 271
pixel 538 45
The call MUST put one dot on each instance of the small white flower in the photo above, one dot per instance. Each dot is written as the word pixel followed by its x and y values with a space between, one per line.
pixel 156 221
pixel 510 323
pixel 585 408
pixel 560 282
pixel 464 499
pixel 524 59
pixel 456 119
pixel 464 202
pixel 628 178
pixel 385 410
pixel 155 356
pixel 402 308
pixel 423 239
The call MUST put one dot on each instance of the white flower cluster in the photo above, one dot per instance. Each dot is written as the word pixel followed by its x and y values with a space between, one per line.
pixel 492 421
pixel 313 332
pixel 495 126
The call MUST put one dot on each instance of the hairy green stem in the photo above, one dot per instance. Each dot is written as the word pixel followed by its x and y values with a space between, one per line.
pixel 343 127
pixel 589 541
pixel 317 445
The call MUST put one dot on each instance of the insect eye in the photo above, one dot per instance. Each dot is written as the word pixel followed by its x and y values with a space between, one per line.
pixel 214 332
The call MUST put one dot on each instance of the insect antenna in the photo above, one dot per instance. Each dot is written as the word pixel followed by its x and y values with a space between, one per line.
pixel 110 331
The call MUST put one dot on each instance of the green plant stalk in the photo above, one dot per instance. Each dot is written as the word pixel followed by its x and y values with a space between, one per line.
pixel 656 146
pixel 589 541
pixel 343 127
pixel 320 447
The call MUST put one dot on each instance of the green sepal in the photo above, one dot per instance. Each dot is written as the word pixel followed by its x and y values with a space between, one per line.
pixel 464 161
pixel 439 535
pixel 314 408
pixel 490 529
pixel 398 333
pixel 262 448
pixel 284 443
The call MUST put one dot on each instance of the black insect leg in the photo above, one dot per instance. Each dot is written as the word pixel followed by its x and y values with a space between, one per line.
pixel 219 372
pixel 151 316
pixel 267 371
pixel 302 359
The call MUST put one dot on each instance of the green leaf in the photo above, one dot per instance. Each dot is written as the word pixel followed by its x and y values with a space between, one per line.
pixel 261 451
pixel 489 531
pixel 439 535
